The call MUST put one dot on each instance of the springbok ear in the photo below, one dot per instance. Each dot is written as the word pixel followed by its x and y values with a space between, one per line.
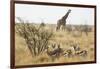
pixel 58 45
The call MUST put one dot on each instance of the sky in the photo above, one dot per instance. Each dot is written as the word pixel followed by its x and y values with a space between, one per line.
pixel 51 14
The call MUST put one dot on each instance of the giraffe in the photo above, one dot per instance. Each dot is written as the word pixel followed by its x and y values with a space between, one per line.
pixel 62 21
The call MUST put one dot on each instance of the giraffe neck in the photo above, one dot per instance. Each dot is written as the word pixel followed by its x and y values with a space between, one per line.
pixel 65 16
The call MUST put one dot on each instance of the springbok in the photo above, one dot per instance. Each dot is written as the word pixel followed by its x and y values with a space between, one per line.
pixel 78 51
pixel 55 53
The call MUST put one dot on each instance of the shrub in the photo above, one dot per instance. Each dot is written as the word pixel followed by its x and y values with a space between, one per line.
pixel 36 38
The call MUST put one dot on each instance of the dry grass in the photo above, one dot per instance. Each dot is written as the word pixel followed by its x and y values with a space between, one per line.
pixel 23 56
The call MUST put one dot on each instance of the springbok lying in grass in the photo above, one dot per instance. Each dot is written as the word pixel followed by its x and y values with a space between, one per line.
pixel 54 53
pixel 75 50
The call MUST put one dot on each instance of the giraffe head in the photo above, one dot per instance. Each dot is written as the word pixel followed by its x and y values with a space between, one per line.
pixel 69 10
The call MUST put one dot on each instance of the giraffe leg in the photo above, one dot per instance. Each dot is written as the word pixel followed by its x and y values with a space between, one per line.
pixel 58 27
pixel 63 28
